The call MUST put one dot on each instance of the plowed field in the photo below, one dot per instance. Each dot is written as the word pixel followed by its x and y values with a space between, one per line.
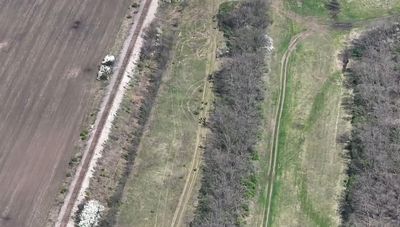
pixel 49 52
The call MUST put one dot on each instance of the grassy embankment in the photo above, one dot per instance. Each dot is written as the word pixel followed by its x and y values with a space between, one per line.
pixel 165 157
pixel 310 164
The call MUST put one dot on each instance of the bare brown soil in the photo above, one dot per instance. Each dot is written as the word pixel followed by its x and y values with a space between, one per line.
pixel 106 112
pixel 49 52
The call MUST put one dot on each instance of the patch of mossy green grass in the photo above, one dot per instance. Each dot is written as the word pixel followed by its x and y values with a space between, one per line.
pixel 307 7
pixel 350 10
pixel 359 10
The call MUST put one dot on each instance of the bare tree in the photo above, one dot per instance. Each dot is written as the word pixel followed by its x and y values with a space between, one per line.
pixel 239 89
pixel 373 193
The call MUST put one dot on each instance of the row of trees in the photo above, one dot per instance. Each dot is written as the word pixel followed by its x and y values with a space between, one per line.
pixel 239 89
pixel 372 72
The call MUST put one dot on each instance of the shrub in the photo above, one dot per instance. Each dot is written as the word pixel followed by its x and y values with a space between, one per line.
pixel 90 214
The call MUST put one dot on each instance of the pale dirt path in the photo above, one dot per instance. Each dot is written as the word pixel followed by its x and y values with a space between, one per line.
pixel 281 101
pixel 111 102
pixel 192 178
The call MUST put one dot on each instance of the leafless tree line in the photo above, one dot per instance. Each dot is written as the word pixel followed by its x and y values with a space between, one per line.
pixel 372 69
pixel 235 120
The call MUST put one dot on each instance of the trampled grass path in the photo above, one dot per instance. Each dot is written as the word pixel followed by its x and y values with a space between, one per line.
pixel 274 149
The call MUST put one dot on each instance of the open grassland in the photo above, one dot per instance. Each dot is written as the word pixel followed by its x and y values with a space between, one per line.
pixel 310 165
pixel 350 9
pixel 307 7
pixel 165 171
pixel 282 30
pixel 368 9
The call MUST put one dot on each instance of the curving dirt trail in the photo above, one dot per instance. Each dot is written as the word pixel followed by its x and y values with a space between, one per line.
pixel 274 149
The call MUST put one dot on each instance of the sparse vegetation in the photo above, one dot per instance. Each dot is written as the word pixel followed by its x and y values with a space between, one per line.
pixel 155 52
pixel 229 179
pixel 372 71
pixel 84 135
pixel 173 134
pixel 114 167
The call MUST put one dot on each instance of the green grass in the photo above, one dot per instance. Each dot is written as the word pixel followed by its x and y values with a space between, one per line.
pixel 306 148
pixel 310 166
pixel 307 205
pixel 367 9
pixel 281 35
pixel 251 186
pixel 320 100
pixel 351 10
pixel 311 105
pixel 307 7
pixel 227 7
pixel 282 32
pixel 286 34
pixel 165 155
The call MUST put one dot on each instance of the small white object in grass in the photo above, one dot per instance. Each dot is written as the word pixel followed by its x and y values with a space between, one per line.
pixel 91 214
pixel 108 60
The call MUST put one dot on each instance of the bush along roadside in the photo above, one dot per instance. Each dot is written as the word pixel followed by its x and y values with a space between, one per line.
pixel 114 168
pixel 228 171
pixel 371 66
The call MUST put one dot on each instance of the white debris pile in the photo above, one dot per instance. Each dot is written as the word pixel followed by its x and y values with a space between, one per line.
pixel 90 215
pixel 108 60
pixel 106 68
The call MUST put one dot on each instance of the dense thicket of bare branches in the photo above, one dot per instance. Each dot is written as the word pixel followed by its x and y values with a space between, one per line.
pixel 373 194
pixel 239 89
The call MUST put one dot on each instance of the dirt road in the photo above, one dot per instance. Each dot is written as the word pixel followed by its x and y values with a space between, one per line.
pixel 124 67
pixel 274 150
pixel 49 51
pixel 193 176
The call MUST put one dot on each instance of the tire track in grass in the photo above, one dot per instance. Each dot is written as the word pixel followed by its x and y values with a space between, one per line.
pixel 193 175
pixel 281 103
pixel 191 179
